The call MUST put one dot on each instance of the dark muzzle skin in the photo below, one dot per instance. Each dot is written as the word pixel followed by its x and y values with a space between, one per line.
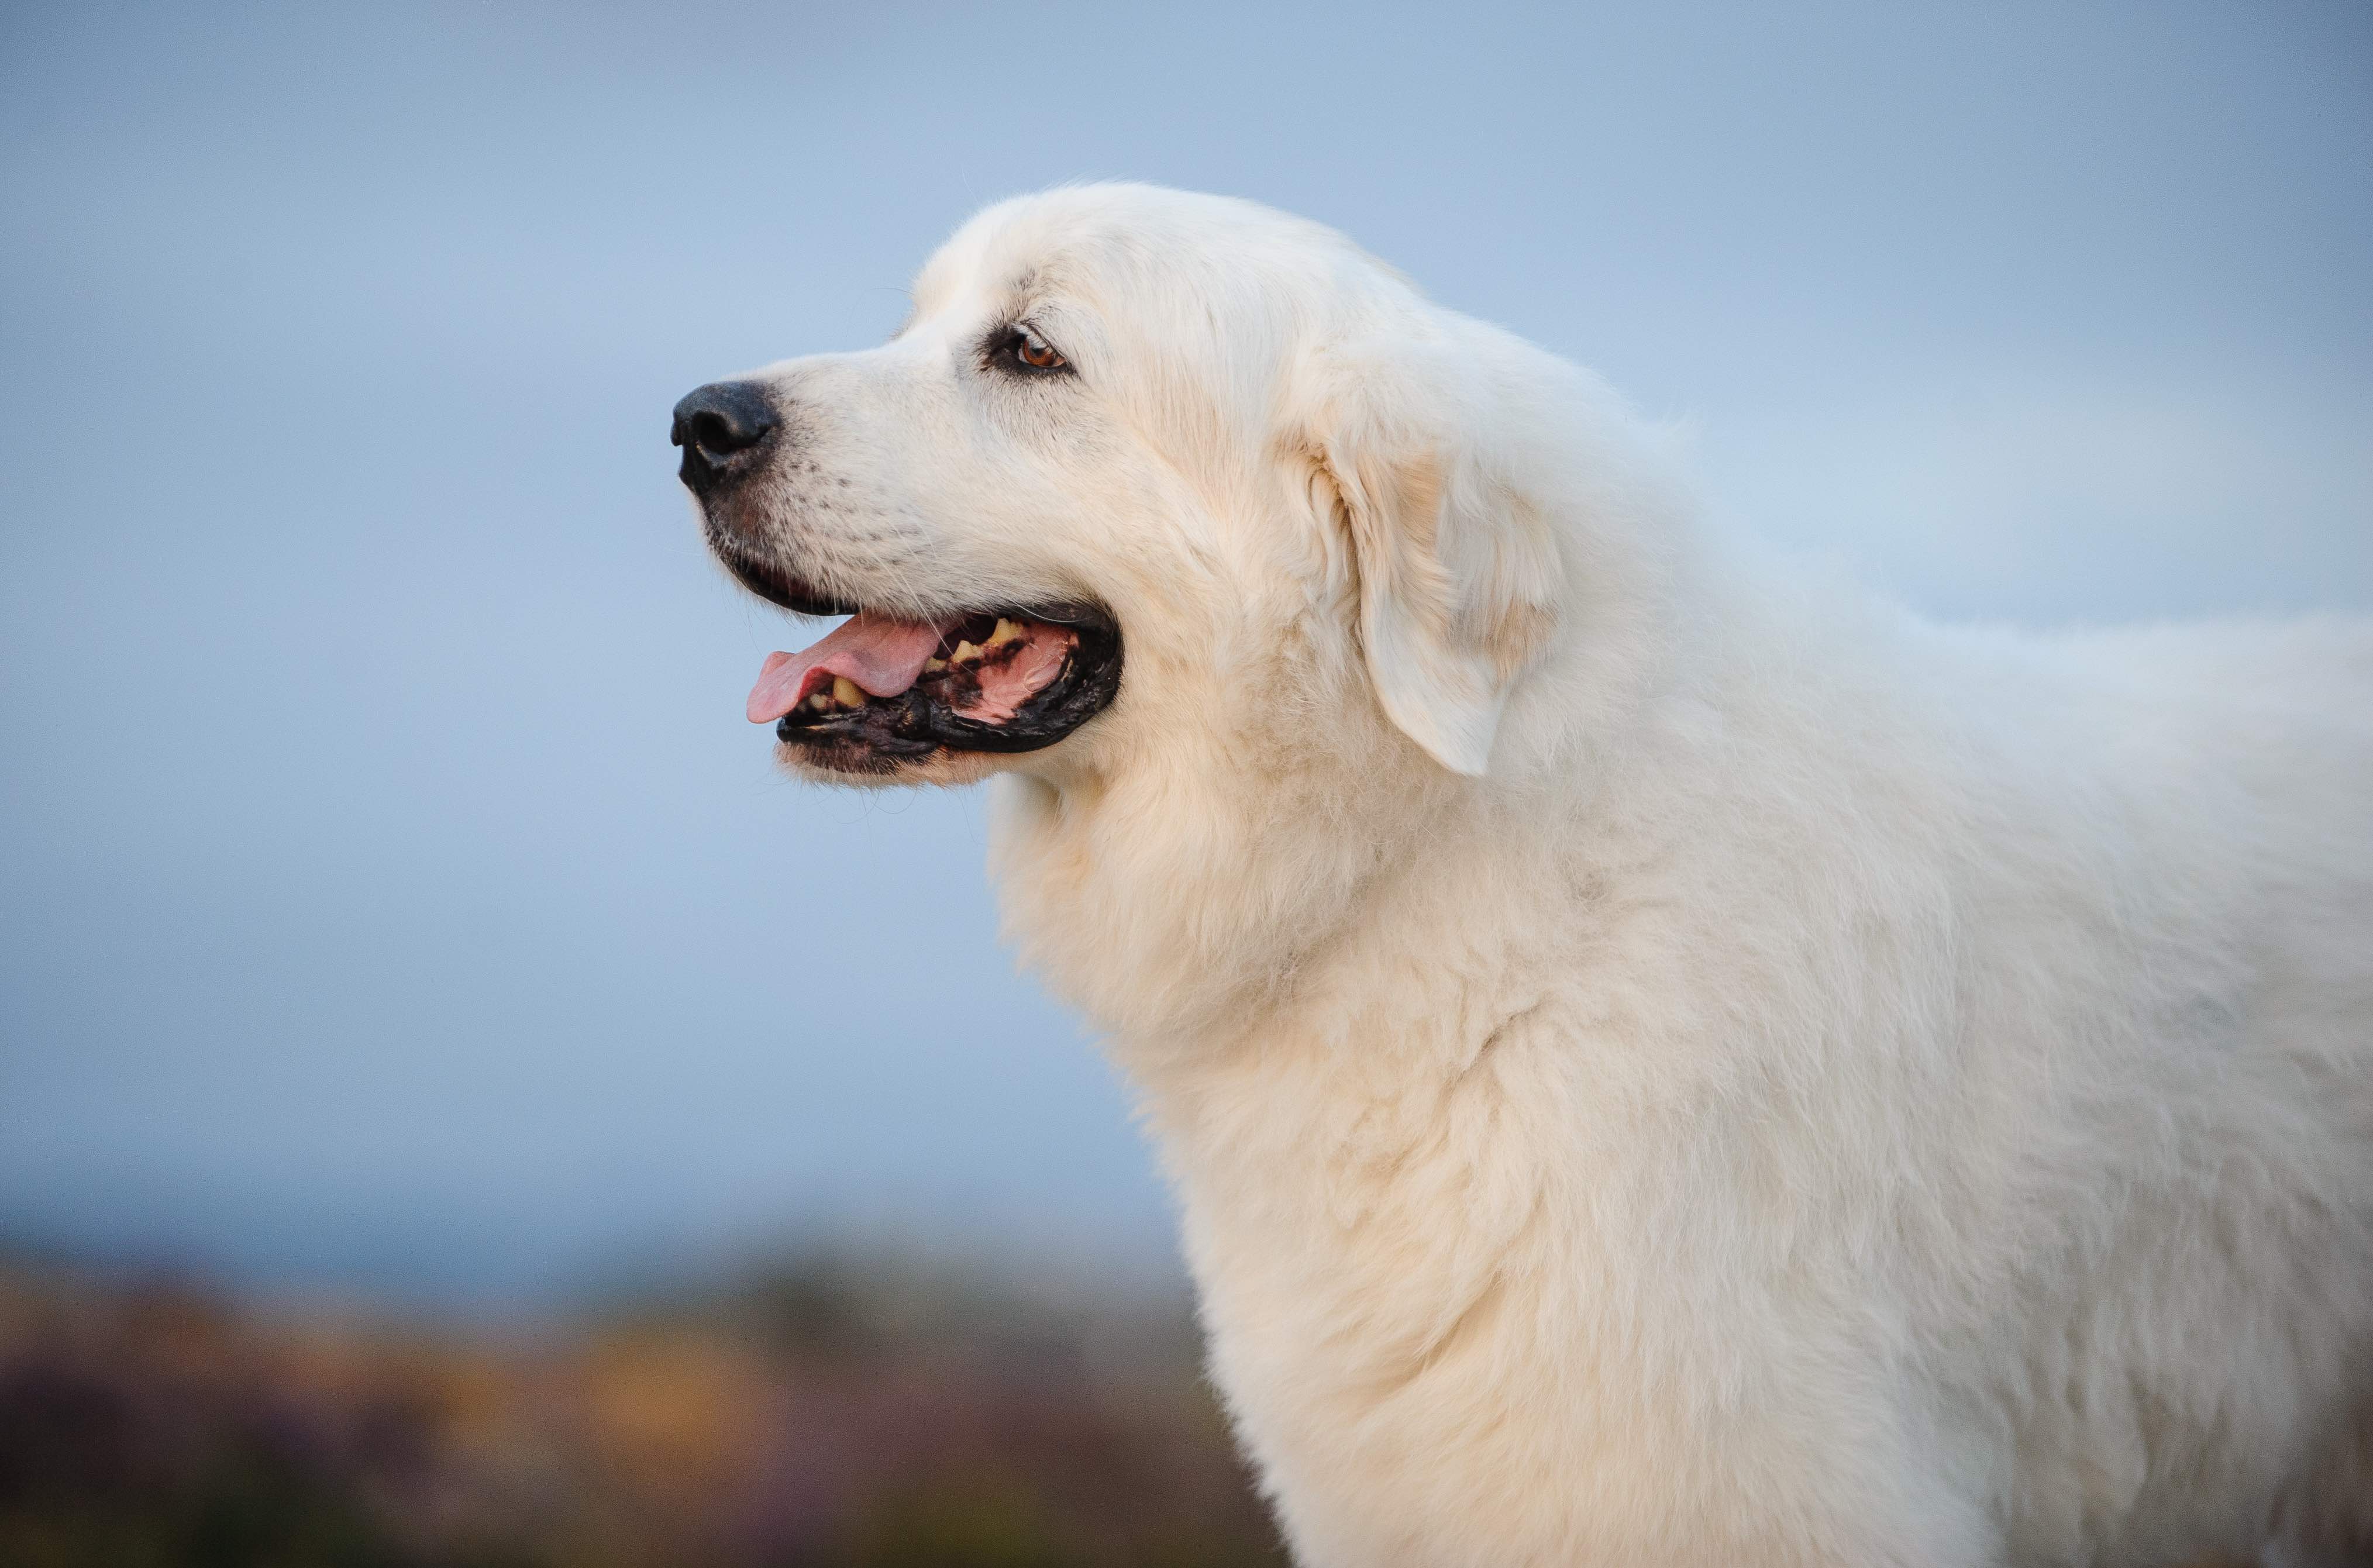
pixel 761 576
pixel 923 719
pixel 723 427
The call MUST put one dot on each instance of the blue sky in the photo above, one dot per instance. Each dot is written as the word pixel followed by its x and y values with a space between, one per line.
pixel 391 895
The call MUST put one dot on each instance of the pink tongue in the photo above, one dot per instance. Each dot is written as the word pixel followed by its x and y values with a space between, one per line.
pixel 882 655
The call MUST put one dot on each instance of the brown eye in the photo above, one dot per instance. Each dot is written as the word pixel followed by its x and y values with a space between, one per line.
pixel 1036 352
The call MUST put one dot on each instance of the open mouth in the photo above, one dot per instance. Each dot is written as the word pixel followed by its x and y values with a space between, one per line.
pixel 881 690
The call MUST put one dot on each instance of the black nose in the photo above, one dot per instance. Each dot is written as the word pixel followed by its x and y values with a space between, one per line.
pixel 717 424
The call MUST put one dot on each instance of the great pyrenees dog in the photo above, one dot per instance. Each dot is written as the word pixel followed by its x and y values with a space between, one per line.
pixel 1664 1058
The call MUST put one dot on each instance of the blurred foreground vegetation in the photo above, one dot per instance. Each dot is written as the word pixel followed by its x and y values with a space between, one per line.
pixel 827 1412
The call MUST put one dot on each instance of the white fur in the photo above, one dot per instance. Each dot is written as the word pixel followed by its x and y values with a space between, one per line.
pixel 1662 1057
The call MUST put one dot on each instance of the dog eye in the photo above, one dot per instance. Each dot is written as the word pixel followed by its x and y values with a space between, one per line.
pixel 1028 351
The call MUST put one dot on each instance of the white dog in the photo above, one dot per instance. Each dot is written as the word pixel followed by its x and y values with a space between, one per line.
pixel 1663 1060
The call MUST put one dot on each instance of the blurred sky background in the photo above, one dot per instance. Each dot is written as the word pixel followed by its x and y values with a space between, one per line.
pixel 392 895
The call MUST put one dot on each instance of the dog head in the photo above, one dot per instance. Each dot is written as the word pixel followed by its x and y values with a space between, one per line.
pixel 1141 469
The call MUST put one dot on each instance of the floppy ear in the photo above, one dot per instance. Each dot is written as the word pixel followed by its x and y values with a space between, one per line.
pixel 1457 571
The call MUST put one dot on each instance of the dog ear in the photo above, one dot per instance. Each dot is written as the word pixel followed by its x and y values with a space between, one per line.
pixel 1456 570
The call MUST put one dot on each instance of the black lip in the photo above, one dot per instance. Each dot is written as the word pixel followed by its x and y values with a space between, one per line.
pixel 772 583
pixel 921 720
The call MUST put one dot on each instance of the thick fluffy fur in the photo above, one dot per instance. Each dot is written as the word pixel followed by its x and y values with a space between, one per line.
pixel 1663 1058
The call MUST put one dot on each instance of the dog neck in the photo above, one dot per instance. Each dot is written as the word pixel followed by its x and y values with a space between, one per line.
pixel 1170 898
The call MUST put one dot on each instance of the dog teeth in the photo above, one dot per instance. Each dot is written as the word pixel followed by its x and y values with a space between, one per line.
pixel 933 666
pixel 1006 632
pixel 964 654
pixel 820 701
pixel 845 693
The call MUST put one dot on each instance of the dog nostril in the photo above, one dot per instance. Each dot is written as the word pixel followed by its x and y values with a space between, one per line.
pixel 722 418
pixel 717 434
